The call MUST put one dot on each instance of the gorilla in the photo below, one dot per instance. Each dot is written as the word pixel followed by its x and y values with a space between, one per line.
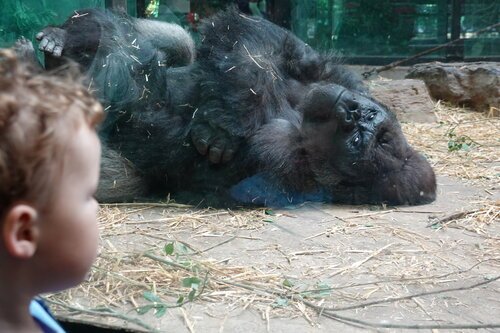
pixel 251 115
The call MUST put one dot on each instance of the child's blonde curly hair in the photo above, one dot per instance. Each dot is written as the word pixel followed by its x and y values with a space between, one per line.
pixel 38 113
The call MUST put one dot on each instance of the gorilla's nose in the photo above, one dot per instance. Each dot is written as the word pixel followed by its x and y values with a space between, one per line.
pixel 355 113
pixel 347 118
pixel 347 110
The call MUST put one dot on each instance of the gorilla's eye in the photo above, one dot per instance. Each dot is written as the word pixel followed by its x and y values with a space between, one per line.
pixel 356 140
pixel 371 115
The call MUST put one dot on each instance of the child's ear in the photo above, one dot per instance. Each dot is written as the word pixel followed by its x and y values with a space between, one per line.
pixel 20 231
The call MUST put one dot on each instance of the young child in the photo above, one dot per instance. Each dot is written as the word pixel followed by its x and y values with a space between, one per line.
pixel 49 170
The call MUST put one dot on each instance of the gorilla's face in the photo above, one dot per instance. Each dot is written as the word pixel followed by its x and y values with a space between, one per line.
pixel 350 137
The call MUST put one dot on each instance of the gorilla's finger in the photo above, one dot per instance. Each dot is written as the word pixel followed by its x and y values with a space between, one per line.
pixel 202 138
pixel 57 51
pixel 227 156
pixel 201 145
pixel 215 155
pixel 50 46
pixel 232 145
pixel 218 147
pixel 43 43
pixel 40 35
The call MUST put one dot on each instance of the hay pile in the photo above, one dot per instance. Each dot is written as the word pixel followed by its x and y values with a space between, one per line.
pixel 463 143
pixel 133 267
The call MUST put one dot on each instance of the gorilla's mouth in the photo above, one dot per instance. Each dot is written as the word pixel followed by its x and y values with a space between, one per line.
pixel 381 133
pixel 382 137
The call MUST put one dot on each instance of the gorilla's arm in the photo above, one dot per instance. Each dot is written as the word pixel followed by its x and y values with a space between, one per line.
pixel 171 39
pixel 126 59
pixel 80 37
pixel 253 71
pixel 304 64
pixel 77 39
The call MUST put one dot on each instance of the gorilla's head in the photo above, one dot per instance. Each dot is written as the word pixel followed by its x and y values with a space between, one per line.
pixel 352 140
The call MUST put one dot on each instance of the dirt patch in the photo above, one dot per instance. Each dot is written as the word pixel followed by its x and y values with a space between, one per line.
pixel 316 267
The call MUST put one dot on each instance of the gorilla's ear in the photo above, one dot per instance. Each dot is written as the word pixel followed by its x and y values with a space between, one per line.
pixel 319 103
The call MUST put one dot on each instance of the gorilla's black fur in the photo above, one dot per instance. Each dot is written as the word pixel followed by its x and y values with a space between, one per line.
pixel 261 104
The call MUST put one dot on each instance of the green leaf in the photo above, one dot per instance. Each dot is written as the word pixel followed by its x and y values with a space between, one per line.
pixel 268 220
pixel 269 212
pixel 180 300
pixel 169 249
pixel 160 311
pixel 191 295
pixel 287 283
pixel 323 289
pixel 280 302
pixel 151 297
pixel 191 282
pixel 144 309
pixel 320 290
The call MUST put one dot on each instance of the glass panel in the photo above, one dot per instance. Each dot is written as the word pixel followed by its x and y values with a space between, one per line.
pixel 371 28
pixel 355 28
pixel 479 14
pixel 27 17
pixel 187 13
pixel 174 11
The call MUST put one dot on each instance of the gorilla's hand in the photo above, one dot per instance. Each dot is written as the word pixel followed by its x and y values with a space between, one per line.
pixel 52 40
pixel 219 145
pixel 24 49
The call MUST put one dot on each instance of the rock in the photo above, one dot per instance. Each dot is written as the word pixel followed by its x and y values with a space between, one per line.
pixel 476 85
pixel 409 99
